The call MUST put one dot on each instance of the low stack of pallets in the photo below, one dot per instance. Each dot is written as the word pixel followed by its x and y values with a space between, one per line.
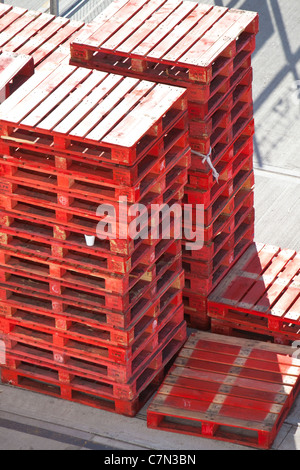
pixel 206 50
pixel 260 297
pixel 94 320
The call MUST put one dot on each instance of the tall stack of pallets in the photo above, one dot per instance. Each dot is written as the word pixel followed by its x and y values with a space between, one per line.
pixel 206 50
pixel 86 316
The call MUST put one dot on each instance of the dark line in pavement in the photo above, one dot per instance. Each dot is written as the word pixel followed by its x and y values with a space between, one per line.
pixel 55 436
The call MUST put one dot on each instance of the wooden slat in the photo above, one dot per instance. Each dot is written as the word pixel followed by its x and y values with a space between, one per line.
pixel 261 285
pixel 205 359
pixel 4 9
pixel 183 46
pixel 146 29
pixel 86 127
pixel 118 112
pixel 179 31
pixel 53 100
pixel 260 261
pixel 129 28
pixel 293 312
pixel 241 346
pixel 235 370
pixel 17 26
pixel 242 276
pixel 109 12
pixel 88 104
pixel 218 398
pixel 56 41
pixel 40 93
pixel 33 82
pixel 144 116
pixel 28 32
pixel 174 12
pixel 216 387
pixel 72 102
pixel 244 18
pixel 277 288
pixel 10 17
pixel 44 35
pixel 119 17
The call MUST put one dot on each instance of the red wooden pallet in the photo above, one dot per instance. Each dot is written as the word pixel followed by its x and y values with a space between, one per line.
pixel 227 389
pixel 41 205
pixel 15 69
pixel 190 36
pixel 224 257
pixel 99 360
pixel 208 187
pixel 40 35
pixel 263 287
pixel 223 151
pixel 243 325
pixel 89 169
pixel 227 168
pixel 123 134
pixel 203 262
pixel 57 189
pixel 124 399
pixel 221 230
pixel 242 239
pixel 118 324
pixel 74 256
pixel 63 245
pixel 125 308
pixel 114 293
pixel 85 258
pixel 48 269
pixel 39 24
pixel 72 235
pixel 85 325
pixel 53 48
pixel 235 85
pixel 224 97
pixel 225 202
pixel 222 137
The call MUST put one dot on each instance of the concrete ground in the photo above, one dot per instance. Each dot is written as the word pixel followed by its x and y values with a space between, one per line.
pixel 32 421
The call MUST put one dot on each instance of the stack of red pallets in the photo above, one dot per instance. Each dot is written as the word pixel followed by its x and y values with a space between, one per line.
pixel 90 321
pixel 206 50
